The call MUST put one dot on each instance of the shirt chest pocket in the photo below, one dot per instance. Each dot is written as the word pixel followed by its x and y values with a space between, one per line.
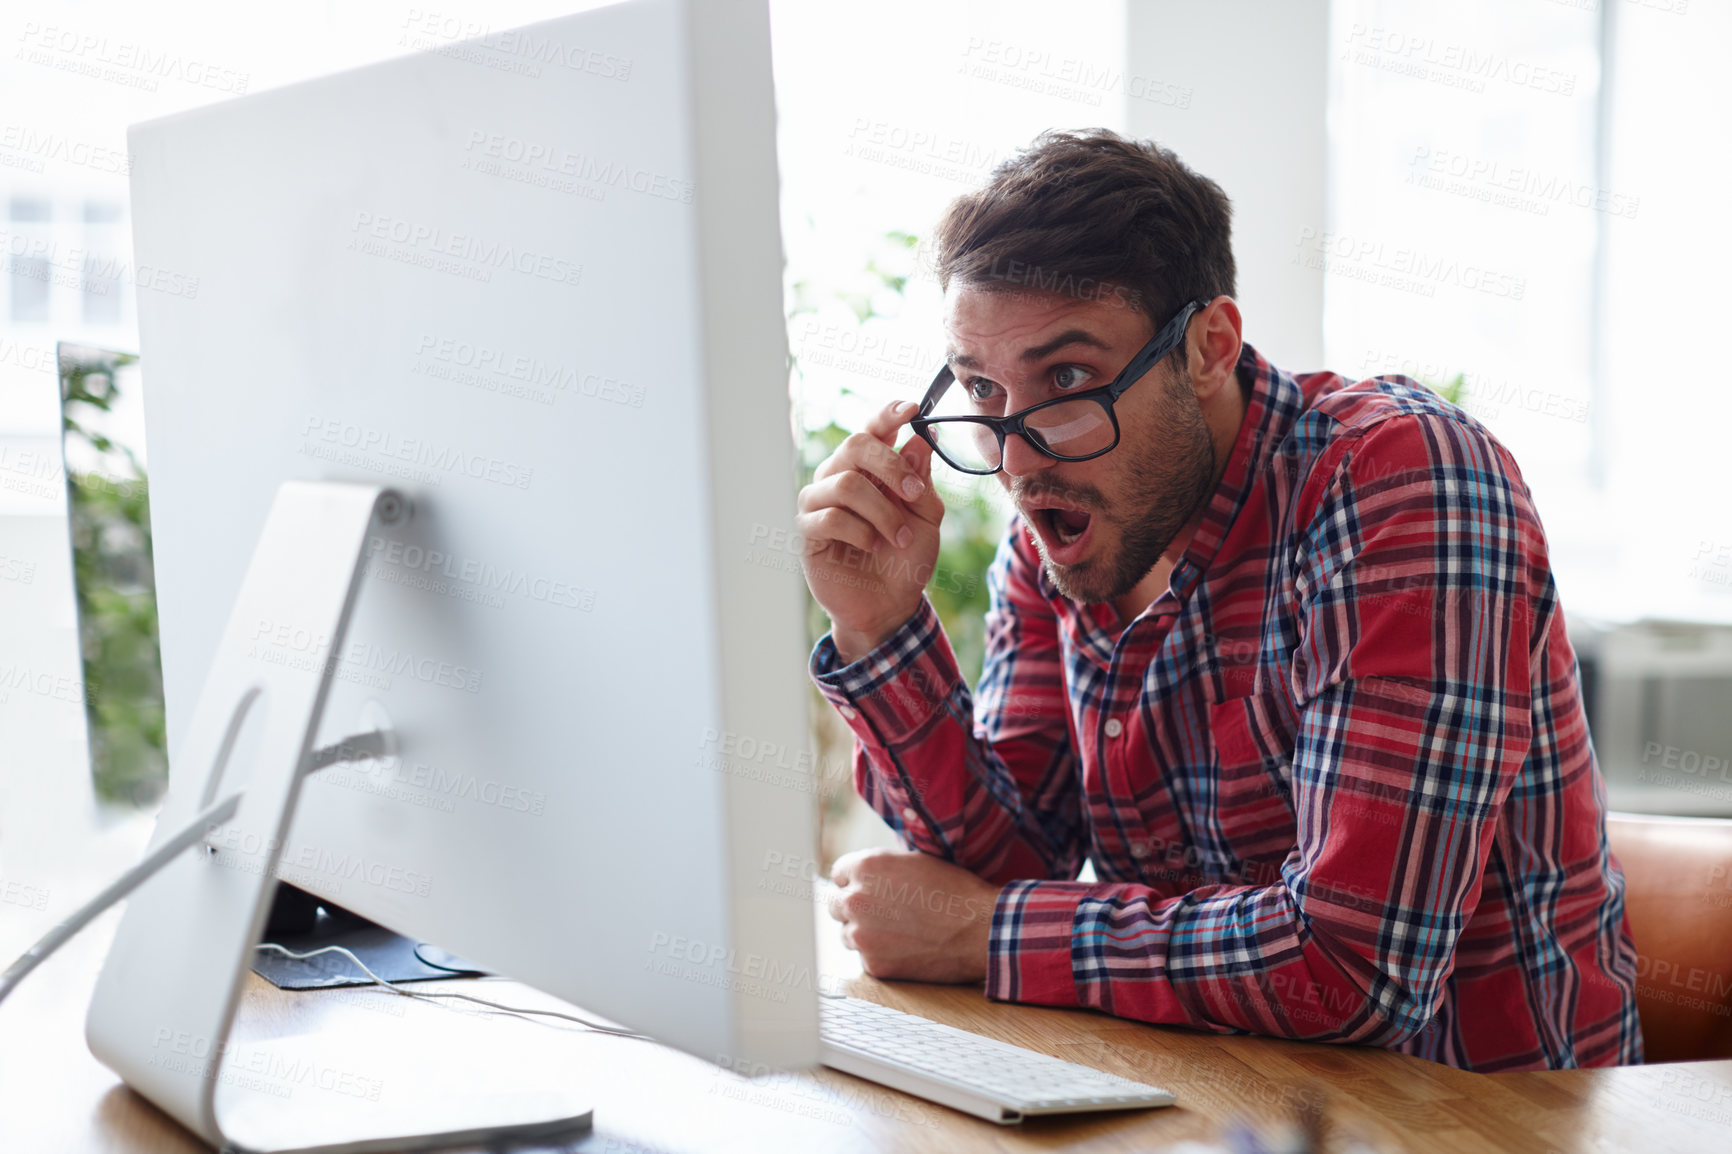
pixel 1253 737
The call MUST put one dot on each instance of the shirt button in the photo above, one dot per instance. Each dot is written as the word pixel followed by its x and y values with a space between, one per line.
pixel 909 815
pixel 1139 849
pixel 847 712
pixel 1115 727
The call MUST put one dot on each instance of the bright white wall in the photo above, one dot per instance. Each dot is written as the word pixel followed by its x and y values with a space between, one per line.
pixel 1238 89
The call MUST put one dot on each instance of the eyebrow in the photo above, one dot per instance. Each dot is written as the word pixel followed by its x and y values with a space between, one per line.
pixel 1039 352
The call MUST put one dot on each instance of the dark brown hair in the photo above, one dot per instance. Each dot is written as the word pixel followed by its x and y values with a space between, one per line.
pixel 1092 215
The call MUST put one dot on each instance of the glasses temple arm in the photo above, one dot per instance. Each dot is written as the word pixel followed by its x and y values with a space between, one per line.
pixel 934 391
pixel 1159 347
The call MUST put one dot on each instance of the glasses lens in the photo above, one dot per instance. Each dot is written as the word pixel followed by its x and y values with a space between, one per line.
pixel 1073 429
pixel 968 445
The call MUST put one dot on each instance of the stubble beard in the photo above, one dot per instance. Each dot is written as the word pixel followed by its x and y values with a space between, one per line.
pixel 1166 480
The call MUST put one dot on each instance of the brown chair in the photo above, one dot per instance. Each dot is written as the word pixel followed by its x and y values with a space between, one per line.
pixel 1678 875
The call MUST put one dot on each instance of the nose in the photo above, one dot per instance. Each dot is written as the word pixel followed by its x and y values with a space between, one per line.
pixel 1022 459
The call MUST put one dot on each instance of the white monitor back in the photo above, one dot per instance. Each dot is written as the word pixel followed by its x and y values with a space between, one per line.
pixel 534 282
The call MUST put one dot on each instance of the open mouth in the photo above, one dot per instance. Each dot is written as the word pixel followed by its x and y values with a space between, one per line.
pixel 1063 526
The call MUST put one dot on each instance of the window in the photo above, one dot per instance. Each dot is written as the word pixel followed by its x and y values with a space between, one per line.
pixel 29 265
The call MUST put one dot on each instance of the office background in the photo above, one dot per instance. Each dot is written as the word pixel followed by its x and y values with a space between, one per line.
pixel 1520 199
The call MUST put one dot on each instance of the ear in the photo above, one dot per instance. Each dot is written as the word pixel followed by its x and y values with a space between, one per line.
pixel 1213 348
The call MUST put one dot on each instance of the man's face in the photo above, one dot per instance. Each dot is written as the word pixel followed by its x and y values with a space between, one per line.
pixel 1101 525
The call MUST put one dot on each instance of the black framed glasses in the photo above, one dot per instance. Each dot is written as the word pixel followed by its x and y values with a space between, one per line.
pixel 1075 427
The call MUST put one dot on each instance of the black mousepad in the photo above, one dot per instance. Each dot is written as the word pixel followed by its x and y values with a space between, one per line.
pixel 392 956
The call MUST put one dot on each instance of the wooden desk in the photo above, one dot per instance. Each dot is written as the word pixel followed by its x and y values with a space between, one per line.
pixel 56 1099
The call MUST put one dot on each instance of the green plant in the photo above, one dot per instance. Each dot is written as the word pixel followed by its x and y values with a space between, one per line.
pixel 972 525
pixel 1453 390
pixel 967 542
pixel 115 581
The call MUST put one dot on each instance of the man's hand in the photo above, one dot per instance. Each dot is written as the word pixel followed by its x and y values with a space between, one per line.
pixel 913 916
pixel 869 521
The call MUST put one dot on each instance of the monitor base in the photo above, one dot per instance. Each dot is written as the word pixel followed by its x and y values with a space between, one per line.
pixel 164 1008
pixel 164 1012
pixel 434 1078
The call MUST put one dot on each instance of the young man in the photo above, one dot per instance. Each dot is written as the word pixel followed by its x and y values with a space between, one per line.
pixel 1280 654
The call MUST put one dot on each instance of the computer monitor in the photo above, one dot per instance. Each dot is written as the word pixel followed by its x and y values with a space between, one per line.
pixel 532 281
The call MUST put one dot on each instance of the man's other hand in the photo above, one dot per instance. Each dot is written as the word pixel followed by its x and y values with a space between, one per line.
pixel 910 915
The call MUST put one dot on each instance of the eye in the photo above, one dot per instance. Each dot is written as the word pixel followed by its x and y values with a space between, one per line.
pixel 980 389
pixel 1068 377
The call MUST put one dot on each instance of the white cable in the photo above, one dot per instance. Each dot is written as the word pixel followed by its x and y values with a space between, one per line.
pixel 190 835
pixel 396 989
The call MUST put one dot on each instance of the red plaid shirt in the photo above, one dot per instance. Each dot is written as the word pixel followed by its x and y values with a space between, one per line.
pixel 1336 783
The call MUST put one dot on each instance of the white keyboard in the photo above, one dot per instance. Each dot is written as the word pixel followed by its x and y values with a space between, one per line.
pixel 980 1076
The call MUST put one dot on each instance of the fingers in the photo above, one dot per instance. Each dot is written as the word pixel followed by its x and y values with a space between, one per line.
pixel 897 482
pixel 855 494
pixel 917 456
pixel 886 421
pixel 842 872
pixel 866 453
pixel 827 526
pixel 837 910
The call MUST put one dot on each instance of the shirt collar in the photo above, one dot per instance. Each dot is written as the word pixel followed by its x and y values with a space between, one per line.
pixel 1270 413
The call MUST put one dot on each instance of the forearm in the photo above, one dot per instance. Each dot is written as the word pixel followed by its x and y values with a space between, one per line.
pixel 923 765
pixel 1222 958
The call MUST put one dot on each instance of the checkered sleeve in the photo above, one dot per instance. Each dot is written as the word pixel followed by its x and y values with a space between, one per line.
pixel 1414 583
pixel 985 780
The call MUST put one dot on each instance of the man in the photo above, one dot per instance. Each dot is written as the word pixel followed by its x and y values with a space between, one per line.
pixel 1280 654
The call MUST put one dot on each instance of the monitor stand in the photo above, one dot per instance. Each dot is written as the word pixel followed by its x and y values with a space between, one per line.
pixel 165 1002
